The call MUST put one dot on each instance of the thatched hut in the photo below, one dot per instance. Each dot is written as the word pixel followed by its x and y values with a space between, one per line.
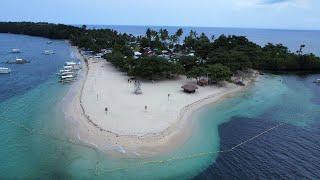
pixel 203 82
pixel 189 88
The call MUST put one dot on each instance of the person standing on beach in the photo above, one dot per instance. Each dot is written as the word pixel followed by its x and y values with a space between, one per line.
pixel 145 107
pixel 168 96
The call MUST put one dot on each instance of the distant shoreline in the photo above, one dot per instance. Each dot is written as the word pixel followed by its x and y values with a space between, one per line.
pixel 87 127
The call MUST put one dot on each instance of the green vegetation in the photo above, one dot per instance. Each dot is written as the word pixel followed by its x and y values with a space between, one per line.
pixel 94 39
pixel 163 55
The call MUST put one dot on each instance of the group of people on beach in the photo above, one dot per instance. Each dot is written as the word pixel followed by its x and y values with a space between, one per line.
pixel 135 81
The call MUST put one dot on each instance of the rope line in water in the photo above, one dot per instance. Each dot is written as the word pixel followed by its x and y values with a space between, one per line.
pixel 196 155
pixel 97 169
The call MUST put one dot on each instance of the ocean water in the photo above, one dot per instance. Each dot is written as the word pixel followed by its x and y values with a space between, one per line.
pixel 34 144
pixel 41 67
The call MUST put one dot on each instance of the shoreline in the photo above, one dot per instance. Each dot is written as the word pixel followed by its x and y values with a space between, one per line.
pixel 88 131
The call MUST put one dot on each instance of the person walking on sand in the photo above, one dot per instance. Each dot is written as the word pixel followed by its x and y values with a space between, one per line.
pixel 168 96
pixel 106 109
pixel 145 107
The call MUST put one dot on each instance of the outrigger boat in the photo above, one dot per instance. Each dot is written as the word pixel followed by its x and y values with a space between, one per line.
pixel 15 50
pixel 4 70
pixel 69 72
pixel 316 81
pixel 18 61
pixel 48 52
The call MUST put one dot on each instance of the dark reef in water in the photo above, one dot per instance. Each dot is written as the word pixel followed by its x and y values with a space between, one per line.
pixel 289 152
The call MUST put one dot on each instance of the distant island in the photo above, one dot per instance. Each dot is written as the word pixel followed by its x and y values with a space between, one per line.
pixel 159 55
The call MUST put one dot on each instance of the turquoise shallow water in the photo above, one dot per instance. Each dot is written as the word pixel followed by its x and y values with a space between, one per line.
pixel 47 153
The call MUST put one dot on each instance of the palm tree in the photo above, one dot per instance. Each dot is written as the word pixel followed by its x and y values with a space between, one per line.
pixel 154 34
pixel 164 34
pixel 300 49
pixel 174 39
pixel 179 32
pixel 148 33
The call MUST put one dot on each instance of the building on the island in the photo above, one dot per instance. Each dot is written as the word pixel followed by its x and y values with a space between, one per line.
pixel 137 55
pixel 164 52
pixel 165 56
pixel 189 88
pixel 203 82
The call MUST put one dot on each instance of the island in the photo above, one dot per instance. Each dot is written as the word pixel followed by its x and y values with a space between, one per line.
pixel 137 93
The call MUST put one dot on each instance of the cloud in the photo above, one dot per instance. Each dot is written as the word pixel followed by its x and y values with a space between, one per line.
pixel 297 3
pixel 274 1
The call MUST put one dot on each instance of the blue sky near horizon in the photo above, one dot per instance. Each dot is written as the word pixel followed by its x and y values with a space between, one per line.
pixel 274 14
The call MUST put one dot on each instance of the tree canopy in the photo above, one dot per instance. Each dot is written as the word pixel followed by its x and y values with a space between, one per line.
pixel 214 57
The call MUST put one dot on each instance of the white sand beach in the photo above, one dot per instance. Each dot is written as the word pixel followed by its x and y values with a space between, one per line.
pixel 127 126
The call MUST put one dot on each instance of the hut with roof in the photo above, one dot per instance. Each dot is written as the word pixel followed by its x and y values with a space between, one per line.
pixel 189 88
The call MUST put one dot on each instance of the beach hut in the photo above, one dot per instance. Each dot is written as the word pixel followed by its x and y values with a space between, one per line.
pixel 203 82
pixel 189 88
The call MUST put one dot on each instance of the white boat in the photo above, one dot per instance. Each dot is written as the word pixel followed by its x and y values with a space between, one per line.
pixel 75 66
pixel 15 50
pixel 69 72
pixel 69 68
pixel 48 52
pixel 67 78
pixel 70 63
pixel 49 42
pixel 4 70
pixel 63 70
pixel 66 73
pixel 316 81
pixel 21 61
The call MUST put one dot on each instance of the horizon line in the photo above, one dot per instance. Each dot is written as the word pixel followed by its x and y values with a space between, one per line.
pixel 195 26
pixel 182 26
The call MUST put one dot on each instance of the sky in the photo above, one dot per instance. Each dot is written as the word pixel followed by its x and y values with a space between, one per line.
pixel 273 14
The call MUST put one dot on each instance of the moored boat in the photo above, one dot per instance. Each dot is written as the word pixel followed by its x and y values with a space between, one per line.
pixel 48 52
pixel 69 72
pixel 316 81
pixel 18 61
pixel 4 70
pixel 75 66
pixel 15 50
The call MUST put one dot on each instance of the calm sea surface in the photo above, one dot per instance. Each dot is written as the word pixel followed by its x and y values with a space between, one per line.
pixel 33 143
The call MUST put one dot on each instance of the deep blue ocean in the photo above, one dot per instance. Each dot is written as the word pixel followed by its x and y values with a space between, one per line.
pixel 30 94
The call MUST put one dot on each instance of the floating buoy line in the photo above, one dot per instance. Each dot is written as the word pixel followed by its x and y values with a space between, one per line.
pixel 98 170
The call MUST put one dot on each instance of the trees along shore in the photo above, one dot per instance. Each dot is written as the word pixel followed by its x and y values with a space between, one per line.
pixel 165 55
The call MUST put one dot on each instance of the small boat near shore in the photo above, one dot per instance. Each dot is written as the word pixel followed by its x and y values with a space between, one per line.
pixel 317 81
pixel 15 51
pixel 18 61
pixel 48 52
pixel 67 78
pixel 74 65
pixel 4 70
pixel 69 72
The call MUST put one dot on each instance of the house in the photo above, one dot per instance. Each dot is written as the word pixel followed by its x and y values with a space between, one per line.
pixel 137 55
pixel 189 88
